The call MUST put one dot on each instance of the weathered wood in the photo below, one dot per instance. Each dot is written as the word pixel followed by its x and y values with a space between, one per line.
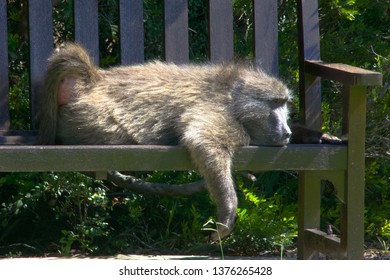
pixel 265 16
pixel 146 158
pixel 345 105
pixel 131 31
pixel 309 30
pixel 309 201
pixel 309 49
pixel 321 242
pixel 41 46
pixel 221 30
pixel 86 26
pixel 348 75
pixel 310 102
pixel 176 31
pixel 352 224
pixel 4 84
pixel 311 157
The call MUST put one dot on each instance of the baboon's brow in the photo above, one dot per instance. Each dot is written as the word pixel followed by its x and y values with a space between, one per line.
pixel 275 100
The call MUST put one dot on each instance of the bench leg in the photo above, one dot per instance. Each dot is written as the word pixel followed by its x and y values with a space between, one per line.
pixel 350 192
pixel 352 218
pixel 309 202
pixel 353 212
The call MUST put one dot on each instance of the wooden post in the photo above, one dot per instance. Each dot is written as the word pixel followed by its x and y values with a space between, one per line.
pixel 4 84
pixel 221 31
pixel 353 211
pixel 309 49
pixel 131 16
pixel 309 202
pixel 41 46
pixel 86 26
pixel 310 102
pixel 176 31
pixel 265 17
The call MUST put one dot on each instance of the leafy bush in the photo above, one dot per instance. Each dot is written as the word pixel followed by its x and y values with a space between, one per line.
pixel 356 32
pixel 263 223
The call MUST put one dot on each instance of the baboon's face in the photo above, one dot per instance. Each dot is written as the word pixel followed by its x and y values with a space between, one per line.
pixel 261 107
pixel 277 131
pixel 268 126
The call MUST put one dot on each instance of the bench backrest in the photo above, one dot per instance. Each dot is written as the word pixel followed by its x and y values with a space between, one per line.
pixel 176 43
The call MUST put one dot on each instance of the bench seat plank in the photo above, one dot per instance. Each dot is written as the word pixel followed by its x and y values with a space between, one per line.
pixel 162 158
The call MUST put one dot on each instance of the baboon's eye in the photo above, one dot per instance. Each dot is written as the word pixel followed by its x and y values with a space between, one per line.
pixel 279 101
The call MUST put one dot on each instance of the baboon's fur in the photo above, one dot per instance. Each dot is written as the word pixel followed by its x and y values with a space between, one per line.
pixel 209 109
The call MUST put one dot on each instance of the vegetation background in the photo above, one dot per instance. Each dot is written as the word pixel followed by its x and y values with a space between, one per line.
pixel 66 214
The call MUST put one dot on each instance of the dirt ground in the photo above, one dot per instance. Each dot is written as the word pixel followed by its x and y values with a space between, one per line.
pixel 209 252
pixel 368 255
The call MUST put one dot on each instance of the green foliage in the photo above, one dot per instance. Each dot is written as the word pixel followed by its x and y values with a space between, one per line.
pixel 31 200
pixel 212 226
pixel 19 82
pixel 263 223
pixel 82 205
pixel 378 200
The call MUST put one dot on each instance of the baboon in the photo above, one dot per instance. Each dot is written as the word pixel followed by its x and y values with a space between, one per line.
pixel 210 109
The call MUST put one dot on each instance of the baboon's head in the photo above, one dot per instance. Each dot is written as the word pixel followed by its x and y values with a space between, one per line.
pixel 260 105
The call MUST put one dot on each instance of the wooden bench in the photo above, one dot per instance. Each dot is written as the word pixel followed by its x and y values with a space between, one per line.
pixel 341 165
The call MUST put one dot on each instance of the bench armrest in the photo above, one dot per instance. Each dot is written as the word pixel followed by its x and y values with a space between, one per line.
pixel 343 73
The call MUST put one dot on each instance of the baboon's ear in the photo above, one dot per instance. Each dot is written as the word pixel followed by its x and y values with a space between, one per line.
pixel 66 90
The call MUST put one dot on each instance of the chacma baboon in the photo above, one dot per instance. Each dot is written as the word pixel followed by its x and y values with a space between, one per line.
pixel 209 109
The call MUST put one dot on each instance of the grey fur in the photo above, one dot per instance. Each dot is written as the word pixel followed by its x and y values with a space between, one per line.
pixel 210 109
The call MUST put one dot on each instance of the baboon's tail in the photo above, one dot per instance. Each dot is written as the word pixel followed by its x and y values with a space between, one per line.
pixel 71 60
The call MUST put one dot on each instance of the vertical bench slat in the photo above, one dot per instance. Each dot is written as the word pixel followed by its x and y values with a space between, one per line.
pixel 176 31
pixel 221 31
pixel 309 49
pixel 131 31
pixel 265 15
pixel 87 26
pixel 41 46
pixel 309 24
pixel 4 84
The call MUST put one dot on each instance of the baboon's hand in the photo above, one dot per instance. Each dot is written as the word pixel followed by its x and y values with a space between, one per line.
pixel 330 139
pixel 225 226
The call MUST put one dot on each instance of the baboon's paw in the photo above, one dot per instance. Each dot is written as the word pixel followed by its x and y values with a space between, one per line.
pixel 330 139
pixel 223 231
pixel 224 227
